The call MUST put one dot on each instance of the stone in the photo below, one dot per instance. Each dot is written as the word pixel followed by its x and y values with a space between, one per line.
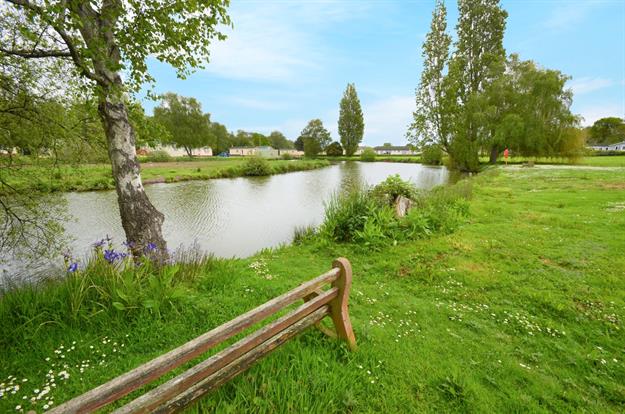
pixel 402 206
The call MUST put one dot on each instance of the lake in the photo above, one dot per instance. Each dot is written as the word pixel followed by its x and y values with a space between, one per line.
pixel 236 217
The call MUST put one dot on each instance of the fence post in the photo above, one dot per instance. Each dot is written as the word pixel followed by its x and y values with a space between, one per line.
pixel 338 307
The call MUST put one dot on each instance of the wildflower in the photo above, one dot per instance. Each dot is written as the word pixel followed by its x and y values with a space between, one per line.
pixel 110 255
pixel 98 244
pixel 72 267
pixel 150 247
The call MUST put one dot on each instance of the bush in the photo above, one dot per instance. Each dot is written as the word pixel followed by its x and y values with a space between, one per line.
pixel 256 166
pixel 388 190
pixel 368 155
pixel 347 214
pixel 432 155
pixel 158 156
pixel 287 156
pixel 334 150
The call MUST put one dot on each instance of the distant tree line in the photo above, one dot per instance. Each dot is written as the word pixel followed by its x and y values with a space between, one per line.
pixel 475 100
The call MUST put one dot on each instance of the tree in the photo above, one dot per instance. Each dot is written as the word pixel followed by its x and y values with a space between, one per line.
pixel 335 149
pixel 299 143
pixel 221 137
pixel 528 110
pixel 102 39
pixel 430 120
pixel 607 131
pixel 188 127
pixel 277 140
pixel 479 59
pixel 351 123
pixel 315 137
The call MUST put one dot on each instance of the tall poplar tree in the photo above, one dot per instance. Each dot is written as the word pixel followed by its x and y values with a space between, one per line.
pixel 430 118
pixel 478 60
pixel 351 123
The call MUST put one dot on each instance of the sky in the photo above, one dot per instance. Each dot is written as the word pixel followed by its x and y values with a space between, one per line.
pixel 286 62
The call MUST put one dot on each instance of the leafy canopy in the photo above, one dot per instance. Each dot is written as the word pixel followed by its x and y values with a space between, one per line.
pixel 351 123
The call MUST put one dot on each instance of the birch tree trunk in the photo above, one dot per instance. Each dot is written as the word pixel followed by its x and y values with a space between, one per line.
pixel 140 219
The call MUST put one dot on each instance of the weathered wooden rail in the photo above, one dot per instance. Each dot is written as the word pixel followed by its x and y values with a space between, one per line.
pixel 179 392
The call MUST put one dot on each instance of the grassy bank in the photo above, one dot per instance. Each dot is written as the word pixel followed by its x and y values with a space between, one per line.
pixel 592 161
pixel 516 307
pixel 46 177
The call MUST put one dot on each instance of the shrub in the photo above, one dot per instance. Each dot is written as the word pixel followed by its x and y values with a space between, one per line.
pixel 388 190
pixel 432 155
pixel 287 156
pixel 256 166
pixel 347 214
pixel 368 155
pixel 334 150
pixel 158 156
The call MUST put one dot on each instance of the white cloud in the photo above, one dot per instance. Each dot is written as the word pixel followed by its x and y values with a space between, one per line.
pixel 387 120
pixel 593 113
pixel 585 85
pixel 252 103
pixel 569 15
pixel 278 41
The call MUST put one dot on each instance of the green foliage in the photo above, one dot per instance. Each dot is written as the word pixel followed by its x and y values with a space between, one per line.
pixel 608 130
pixel 366 217
pixel 158 156
pixel 256 166
pixel 351 124
pixel 431 118
pixel 188 127
pixel 334 150
pixel 388 190
pixel 368 155
pixel 315 138
pixel 346 214
pixel 432 154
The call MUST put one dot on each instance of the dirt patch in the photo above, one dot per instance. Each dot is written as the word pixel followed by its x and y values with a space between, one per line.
pixel 613 186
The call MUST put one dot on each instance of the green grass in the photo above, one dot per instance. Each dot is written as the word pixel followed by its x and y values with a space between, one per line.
pixel 593 161
pixel 46 177
pixel 521 309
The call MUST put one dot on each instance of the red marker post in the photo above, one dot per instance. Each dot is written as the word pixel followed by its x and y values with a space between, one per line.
pixel 505 155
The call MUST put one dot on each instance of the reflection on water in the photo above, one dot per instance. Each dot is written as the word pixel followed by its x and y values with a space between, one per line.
pixel 237 217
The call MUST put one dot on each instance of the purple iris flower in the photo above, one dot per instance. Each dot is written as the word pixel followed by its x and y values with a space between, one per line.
pixel 110 255
pixel 150 247
pixel 72 267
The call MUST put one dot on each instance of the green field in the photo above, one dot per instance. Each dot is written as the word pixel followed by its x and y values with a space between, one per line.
pixel 44 176
pixel 521 309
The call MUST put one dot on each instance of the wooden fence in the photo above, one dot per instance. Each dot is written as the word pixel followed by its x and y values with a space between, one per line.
pixel 179 392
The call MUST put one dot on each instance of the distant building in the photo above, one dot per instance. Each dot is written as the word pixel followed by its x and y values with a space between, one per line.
pixel 619 146
pixel 264 151
pixel 360 150
pixel 393 150
pixel 174 151
pixel 292 152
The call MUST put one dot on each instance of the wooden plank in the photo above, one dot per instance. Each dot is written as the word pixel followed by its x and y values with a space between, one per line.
pixel 339 311
pixel 163 393
pixel 239 365
pixel 148 372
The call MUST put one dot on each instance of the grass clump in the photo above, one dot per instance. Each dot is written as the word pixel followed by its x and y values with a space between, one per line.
pixel 158 156
pixel 366 216
pixel 368 155
pixel 256 166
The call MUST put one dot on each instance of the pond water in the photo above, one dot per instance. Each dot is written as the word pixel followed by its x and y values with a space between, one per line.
pixel 236 217
pixel 239 216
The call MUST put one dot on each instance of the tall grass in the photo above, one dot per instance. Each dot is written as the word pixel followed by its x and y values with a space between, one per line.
pixel 366 216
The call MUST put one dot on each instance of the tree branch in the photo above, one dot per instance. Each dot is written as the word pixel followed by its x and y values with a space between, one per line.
pixel 36 54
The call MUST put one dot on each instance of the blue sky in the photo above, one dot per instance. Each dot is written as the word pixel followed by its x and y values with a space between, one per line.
pixel 286 62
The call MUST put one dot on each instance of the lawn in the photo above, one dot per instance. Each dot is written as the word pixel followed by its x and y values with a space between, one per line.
pixel 521 309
